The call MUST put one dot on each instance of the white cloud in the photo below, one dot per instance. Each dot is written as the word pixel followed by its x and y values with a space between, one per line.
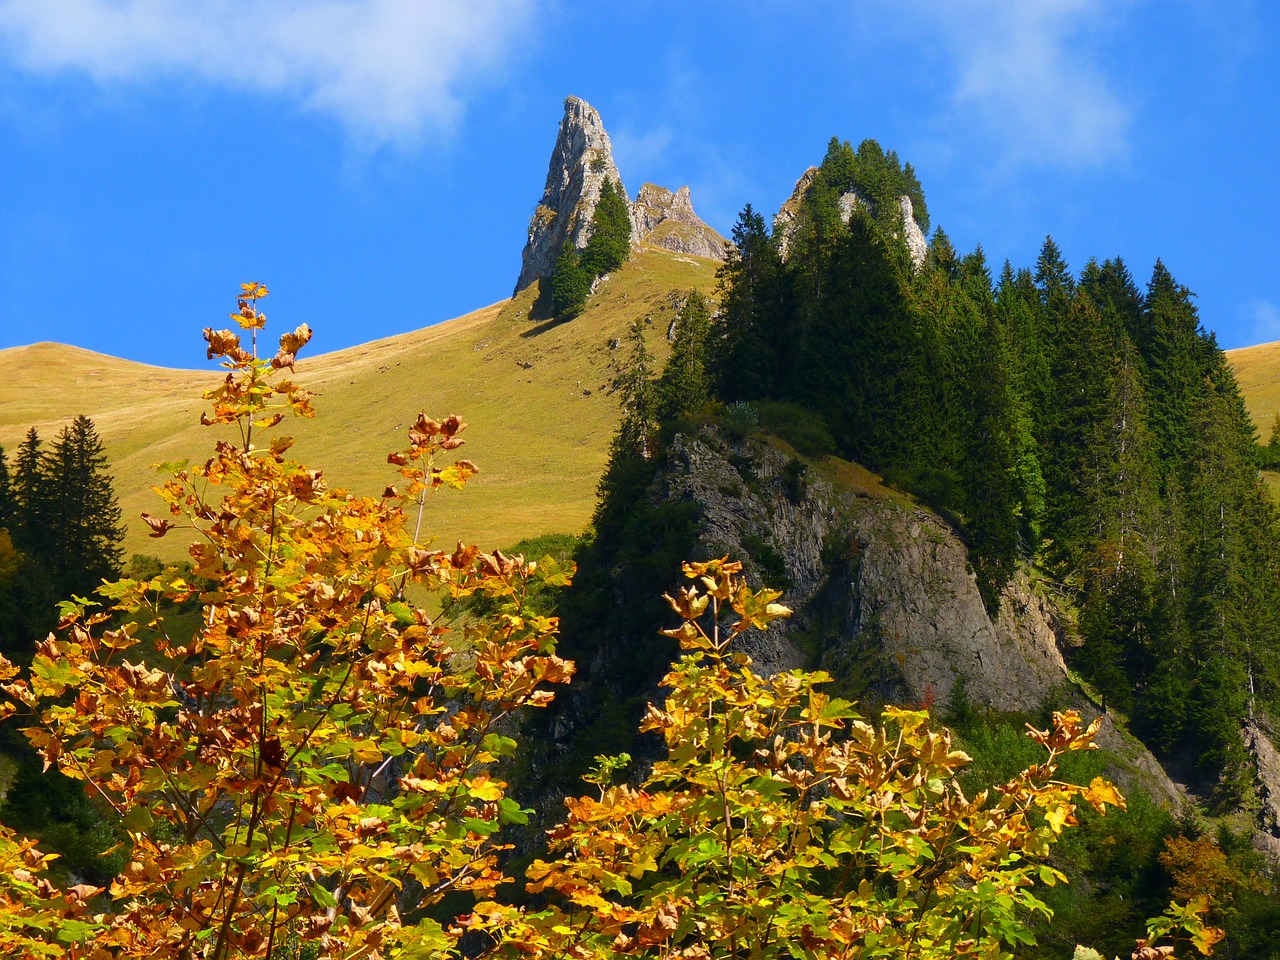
pixel 1028 75
pixel 1265 319
pixel 637 150
pixel 389 70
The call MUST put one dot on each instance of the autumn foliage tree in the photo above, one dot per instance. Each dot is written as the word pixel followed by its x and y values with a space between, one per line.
pixel 310 772
pixel 782 824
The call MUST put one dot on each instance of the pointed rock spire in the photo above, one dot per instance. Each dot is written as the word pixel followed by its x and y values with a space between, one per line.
pixel 580 163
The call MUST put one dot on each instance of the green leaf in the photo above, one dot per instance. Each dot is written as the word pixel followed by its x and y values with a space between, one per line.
pixel 139 820
pixel 323 897
pixel 403 614
pixel 498 745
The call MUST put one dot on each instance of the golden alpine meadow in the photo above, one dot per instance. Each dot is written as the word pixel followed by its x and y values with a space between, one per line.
pixel 316 770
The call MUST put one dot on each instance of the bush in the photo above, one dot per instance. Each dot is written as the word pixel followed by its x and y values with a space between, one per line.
pixel 804 429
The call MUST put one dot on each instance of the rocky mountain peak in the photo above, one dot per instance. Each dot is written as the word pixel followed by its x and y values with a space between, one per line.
pixel 665 219
pixel 787 219
pixel 581 161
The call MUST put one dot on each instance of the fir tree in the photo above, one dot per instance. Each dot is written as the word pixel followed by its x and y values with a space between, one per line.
pixel 862 368
pixel 33 501
pixel 570 284
pixel 85 546
pixel 609 244
pixel 685 385
pixel 748 332
pixel 6 493
pixel 637 397
pixel 1172 346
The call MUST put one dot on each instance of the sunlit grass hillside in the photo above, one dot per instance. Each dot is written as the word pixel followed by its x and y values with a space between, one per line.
pixel 536 396
pixel 1257 370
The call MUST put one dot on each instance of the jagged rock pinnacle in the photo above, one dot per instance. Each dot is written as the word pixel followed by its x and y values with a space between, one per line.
pixel 580 163
pixel 665 219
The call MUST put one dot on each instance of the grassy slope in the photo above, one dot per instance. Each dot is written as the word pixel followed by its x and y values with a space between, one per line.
pixel 535 395
pixel 1257 370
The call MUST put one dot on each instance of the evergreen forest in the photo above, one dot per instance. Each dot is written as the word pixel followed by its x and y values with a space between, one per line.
pixel 1080 424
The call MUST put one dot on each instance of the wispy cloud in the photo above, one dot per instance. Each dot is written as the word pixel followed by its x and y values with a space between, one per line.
pixel 389 70
pixel 1262 317
pixel 1030 77
pixel 637 149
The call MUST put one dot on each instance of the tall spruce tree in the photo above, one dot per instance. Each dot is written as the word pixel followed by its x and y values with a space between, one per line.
pixel 570 283
pixel 749 331
pixel 1172 346
pixel 862 368
pixel 685 384
pixel 637 397
pixel 1081 390
pixel 33 499
pixel 85 546
pixel 609 244
pixel 6 493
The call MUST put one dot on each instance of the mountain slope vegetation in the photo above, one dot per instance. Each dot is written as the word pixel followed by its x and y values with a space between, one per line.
pixel 537 394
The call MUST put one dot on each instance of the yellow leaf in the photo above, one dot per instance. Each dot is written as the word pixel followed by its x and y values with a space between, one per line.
pixel 1100 792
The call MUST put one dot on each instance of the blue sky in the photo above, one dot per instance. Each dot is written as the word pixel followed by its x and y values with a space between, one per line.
pixel 375 162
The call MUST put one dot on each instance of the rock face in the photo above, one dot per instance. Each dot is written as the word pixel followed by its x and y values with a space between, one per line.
pixel 1266 759
pixel 912 235
pixel 580 163
pixel 884 598
pixel 787 219
pixel 665 219
pixel 895 582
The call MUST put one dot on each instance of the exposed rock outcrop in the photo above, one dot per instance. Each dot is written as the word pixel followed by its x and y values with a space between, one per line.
pixel 912 235
pixel 904 595
pixel 1266 759
pixel 665 219
pixel 580 163
pixel 787 219
pixel 884 597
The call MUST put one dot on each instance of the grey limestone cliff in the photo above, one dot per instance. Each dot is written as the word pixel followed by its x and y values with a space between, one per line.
pixel 884 597
pixel 1258 740
pixel 581 161
pixel 665 219
pixel 787 220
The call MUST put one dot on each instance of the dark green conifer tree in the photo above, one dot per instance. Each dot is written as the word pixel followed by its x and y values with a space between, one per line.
pixel 1020 313
pixel 33 499
pixel 609 245
pixel 862 368
pixel 1121 498
pixel 1172 345
pixel 752 347
pixel 993 499
pixel 1112 288
pixel 637 397
pixel 1082 386
pixel 85 546
pixel 6 493
pixel 570 284
pixel 685 384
